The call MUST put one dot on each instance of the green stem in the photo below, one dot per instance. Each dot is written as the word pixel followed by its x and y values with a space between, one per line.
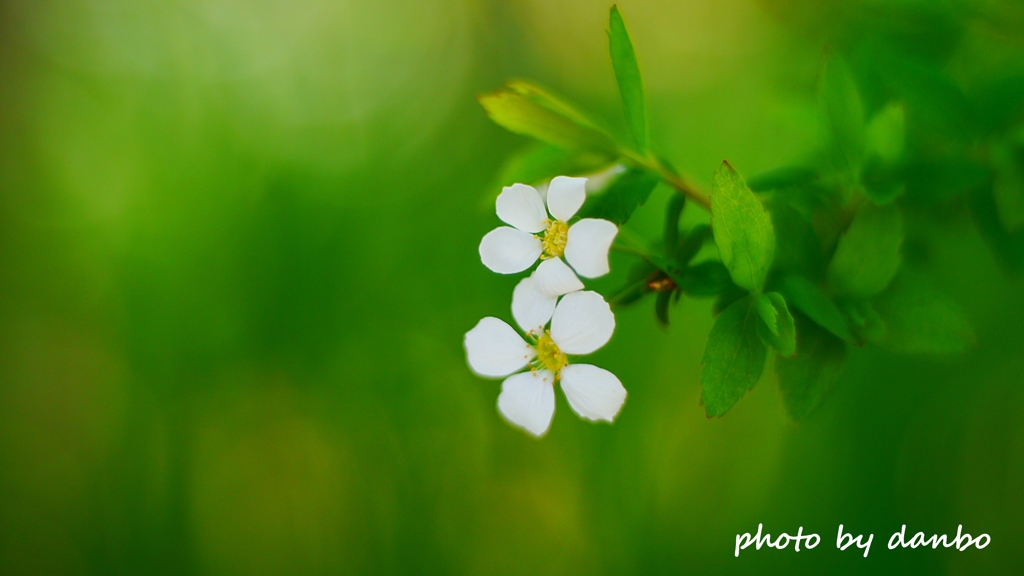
pixel 670 176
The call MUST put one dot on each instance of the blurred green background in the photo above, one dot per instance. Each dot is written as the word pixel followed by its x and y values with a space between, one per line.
pixel 238 254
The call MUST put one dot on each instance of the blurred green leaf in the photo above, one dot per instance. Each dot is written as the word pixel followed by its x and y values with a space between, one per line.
pixel 885 133
pixel 777 329
pixel 806 379
pixel 742 229
pixel 936 180
pixel 1000 105
pixel 921 319
pixel 733 359
pixel 868 253
pixel 842 116
pixel 692 243
pixel 812 301
pixel 882 182
pixel 797 247
pixel 1009 247
pixel 528 110
pixel 705 279
pixel 1008 187
pixel 623 197
pixel 661 307
pixel 783 178
pixel 541 161
pixel 673 211
pixel 627 74
pixel 865 321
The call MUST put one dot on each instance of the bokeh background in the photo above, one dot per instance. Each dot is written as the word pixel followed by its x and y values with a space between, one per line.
pixel 238 254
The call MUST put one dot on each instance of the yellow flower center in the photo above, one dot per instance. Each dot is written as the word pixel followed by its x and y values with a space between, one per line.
pixel 549 357
pixel 554 238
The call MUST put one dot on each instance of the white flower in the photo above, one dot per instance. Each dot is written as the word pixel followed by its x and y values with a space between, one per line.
pixel 581 322
pixel 534 235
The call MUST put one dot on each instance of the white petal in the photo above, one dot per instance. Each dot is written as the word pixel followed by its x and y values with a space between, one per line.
pixel 507 250
pixel 587 245
pixel 554 278
pixel 530 308
pixel 565 196
pixel 495 349
pixel 582 323
pixel 527 400
pixel 521 206
pixel 594 393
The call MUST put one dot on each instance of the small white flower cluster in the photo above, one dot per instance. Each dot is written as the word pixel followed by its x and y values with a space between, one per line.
pixel 557 316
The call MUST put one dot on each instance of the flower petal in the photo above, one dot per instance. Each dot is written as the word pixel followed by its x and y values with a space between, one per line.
pixel 530 308
pixel 587 245
pixel 507 250
pixel 521 206
pixel 594 393
pixel 582 323
pixel 554 278
pixel 565 196
pixel 527 400
pixel 495 349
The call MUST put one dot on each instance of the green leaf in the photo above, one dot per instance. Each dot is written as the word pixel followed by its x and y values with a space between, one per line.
pixel 1008 187
pixel 868 253
pixel 530 111
pixel 865 321
pixel 842 116
pixel 627 74
pixel 777 330
pixel 806 379
pixel 733 359
pixel 661 307
pixel 692 243
pixel 673 211
pixel 797 246
pixel 783 178
pixel 623 197
pixel 742 228
pixel 541 161
pixel 885 133
pixel 812 301
pixel 920 319
pixel 1009 247
pixel 705 279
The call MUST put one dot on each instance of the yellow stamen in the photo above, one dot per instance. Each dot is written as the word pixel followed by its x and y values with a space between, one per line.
pixel 554 238
pixel 549 357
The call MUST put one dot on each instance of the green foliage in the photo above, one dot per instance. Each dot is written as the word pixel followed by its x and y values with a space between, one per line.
pixel 807 378
pixel 885 133
pixel 539 161
pixel 623 197
pixel 842 116
pixel 920 319
pixel 531 111
pixel 868 253
pixel 742 228
pixel 705 279
pixel 627 74
pixel 812 301
pixel 733 358
pixel 777 329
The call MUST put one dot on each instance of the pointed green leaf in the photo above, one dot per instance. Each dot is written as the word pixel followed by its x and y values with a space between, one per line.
pixel 673 211
pixel 920 319
pixel 733 359
pixel 865 321
pixel 812 301
pixel 807 378
pixel 623 197
pixel 742 228
pixel 777 330
pixel 532 113
pixel 842 116
pixel 627 74
pixel 868 253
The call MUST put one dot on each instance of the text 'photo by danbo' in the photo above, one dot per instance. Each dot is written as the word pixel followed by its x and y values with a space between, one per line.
pixel 525 287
